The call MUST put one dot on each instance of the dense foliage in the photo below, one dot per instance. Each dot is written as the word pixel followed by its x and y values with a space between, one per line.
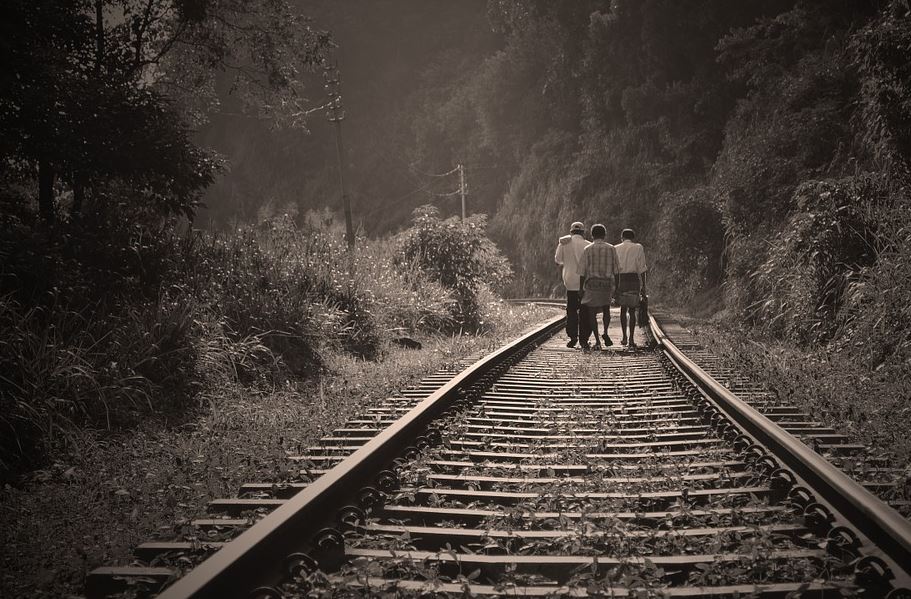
pixel 112 306
pixel 97 92
pixel 757 148
pixel 458 256
pixel 261 306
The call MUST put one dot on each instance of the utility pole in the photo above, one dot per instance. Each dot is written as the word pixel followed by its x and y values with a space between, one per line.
pixel 462 189
pixel 336 114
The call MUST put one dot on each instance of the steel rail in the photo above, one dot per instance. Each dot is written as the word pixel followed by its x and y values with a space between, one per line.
pixel 256 557
pixel 889 531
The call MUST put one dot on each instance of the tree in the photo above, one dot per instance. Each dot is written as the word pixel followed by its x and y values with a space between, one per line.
pixel 879 51
pixel 98 91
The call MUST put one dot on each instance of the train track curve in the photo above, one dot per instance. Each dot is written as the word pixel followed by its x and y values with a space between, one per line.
pixel 545 471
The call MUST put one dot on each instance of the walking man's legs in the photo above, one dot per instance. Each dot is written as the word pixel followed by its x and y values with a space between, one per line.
pixel 628 317
pixel 623 310
pixel 607 340
pixel 584 325
pixel 592 328
pixel 573 322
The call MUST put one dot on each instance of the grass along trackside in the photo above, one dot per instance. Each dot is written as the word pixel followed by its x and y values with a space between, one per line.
pixel 91 507
pixel 868 405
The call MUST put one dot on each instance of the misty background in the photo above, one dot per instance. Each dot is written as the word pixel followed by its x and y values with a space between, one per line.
pixel 400 62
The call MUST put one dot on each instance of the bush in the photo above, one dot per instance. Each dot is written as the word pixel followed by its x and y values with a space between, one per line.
pixel 257 298
pixel 402 296
pixel 828 241
pixel 687 257
pixel 457 255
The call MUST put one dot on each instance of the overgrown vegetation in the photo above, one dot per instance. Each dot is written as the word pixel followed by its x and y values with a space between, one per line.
pixel 840 390
pixel 100 341
pixel 112 306
pixel 760 150
pixel 90 507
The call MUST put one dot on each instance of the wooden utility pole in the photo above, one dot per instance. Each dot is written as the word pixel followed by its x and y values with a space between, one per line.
pixel 462 189
pixel 336 114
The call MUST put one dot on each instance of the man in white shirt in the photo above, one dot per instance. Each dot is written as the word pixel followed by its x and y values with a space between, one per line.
pixel 569 256
pixel 631 285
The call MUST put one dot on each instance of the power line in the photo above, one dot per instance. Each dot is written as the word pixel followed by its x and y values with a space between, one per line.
pixel 446 174
pixel 461 191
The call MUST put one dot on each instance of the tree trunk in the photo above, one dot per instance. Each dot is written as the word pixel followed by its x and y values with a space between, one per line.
pixel 46 191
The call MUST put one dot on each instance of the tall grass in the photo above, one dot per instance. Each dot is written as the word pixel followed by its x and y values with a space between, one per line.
pixel 838 273
pixel 96 365
pixel 259 306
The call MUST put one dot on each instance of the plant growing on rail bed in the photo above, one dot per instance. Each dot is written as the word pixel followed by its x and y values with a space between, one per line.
pixel 580 522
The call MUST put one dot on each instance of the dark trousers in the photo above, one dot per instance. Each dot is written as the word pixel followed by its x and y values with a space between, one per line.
pixel 576 316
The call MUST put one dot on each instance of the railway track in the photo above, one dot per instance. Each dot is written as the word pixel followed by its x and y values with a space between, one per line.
pixel 544 471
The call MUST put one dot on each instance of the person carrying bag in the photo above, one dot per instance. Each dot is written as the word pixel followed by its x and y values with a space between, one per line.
pixel 631 283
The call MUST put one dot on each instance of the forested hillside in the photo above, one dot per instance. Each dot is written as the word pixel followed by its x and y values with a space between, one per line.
pixel 760 150
pixel 762 146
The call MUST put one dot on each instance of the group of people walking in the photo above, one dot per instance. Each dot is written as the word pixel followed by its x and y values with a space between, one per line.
pixel 596 273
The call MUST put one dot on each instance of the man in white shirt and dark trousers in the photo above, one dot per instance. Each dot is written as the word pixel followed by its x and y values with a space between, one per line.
pixel 569 256
pixel 631 286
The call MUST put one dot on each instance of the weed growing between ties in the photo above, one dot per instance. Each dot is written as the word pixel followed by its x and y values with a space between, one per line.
pixel 869 406
pixel 572 496
pixel 162 370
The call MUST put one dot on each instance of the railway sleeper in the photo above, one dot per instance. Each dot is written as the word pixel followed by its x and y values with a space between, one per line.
pixel 598 542
pixel 488 482
pixel 106 581
pixel 588 467
pixel 624 501
pixel 560 568
pixel 601 456
pixel 429 588
pixel 696 433
pixel 427 515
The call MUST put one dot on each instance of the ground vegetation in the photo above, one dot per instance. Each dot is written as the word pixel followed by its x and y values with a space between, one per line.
pixel 114 306
pixel 760 152
pixel 92 505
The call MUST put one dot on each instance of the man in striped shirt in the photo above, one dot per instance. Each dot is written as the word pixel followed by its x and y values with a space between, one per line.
pixel 600 269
